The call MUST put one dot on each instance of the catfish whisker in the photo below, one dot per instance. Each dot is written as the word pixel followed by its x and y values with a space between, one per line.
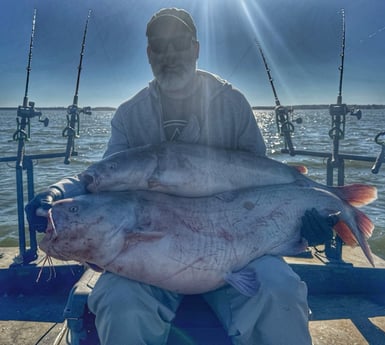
pixel 52 271
pixel 51 222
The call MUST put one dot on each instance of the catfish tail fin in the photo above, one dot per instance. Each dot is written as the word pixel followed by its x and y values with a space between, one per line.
pixel 356 231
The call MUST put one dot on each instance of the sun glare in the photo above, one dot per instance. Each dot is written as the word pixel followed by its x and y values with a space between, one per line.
pixel 264 32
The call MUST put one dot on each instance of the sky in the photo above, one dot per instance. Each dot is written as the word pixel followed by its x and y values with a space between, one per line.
pixel 301 40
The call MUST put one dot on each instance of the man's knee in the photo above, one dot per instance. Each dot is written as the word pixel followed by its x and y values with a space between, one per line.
pixel 113 293
pixel 127 309
pixel 120 294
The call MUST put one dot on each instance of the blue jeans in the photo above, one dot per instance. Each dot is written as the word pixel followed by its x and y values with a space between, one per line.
pixel 131 313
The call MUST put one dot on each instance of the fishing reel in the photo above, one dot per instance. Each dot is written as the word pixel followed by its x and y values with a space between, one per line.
pixel 72 129
pixel 73 120
pixel 282 117
pixel 285 125
pixel 24 113
pixel 338 113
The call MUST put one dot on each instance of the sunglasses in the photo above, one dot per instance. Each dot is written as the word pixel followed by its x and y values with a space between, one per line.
pixel 160 45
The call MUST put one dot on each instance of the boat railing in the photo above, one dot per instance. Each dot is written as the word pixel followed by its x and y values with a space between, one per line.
pixel 25 162
pixel 27 255
pixel 335 159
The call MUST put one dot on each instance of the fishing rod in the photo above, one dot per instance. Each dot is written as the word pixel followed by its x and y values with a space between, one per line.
pixel 26 111
pixel 72 130
pixel 23 133
pixel 277 103
pixel 339 110
pixel 284 126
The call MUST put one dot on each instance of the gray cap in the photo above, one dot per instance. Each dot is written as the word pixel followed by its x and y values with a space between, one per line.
pixel 173 13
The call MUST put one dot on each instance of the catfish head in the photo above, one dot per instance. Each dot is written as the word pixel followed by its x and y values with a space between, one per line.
pixel 125 170
pixel 89 228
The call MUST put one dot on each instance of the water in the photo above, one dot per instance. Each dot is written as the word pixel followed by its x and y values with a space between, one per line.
pixel 311 135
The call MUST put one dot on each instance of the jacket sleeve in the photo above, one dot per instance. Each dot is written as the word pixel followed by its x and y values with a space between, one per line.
pixel 70 187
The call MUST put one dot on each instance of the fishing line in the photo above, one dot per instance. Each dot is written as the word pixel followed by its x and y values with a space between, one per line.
pixel 236 66
pixel 372 35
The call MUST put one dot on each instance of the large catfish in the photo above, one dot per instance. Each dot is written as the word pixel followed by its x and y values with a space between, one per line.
pixel 193 245
pixel 194 171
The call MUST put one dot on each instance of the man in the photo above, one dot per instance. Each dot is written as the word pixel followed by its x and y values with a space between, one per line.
pixel 189 105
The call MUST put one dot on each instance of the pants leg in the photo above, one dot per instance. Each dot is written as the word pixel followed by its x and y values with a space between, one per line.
pixel 131 313
pixel 276 315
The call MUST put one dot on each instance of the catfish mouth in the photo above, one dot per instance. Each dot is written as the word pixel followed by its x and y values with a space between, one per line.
pixel 47 244
pixel 90 181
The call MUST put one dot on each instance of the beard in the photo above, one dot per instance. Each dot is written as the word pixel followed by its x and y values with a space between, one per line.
pixel 175 71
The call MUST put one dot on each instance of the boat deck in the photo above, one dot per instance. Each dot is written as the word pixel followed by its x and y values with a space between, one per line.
pixel 33 314
pixel 339 318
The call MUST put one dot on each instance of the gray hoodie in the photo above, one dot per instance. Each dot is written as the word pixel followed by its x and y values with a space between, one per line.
pixel 225 120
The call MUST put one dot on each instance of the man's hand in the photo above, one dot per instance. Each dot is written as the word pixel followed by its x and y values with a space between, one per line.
pixel 317 229
pixel 42 201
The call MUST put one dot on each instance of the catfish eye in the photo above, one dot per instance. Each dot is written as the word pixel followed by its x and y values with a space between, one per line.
pixel 73 209
pixel 113 166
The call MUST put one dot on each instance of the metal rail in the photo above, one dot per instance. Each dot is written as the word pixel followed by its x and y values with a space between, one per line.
pixel 335 159
pixel 25 162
